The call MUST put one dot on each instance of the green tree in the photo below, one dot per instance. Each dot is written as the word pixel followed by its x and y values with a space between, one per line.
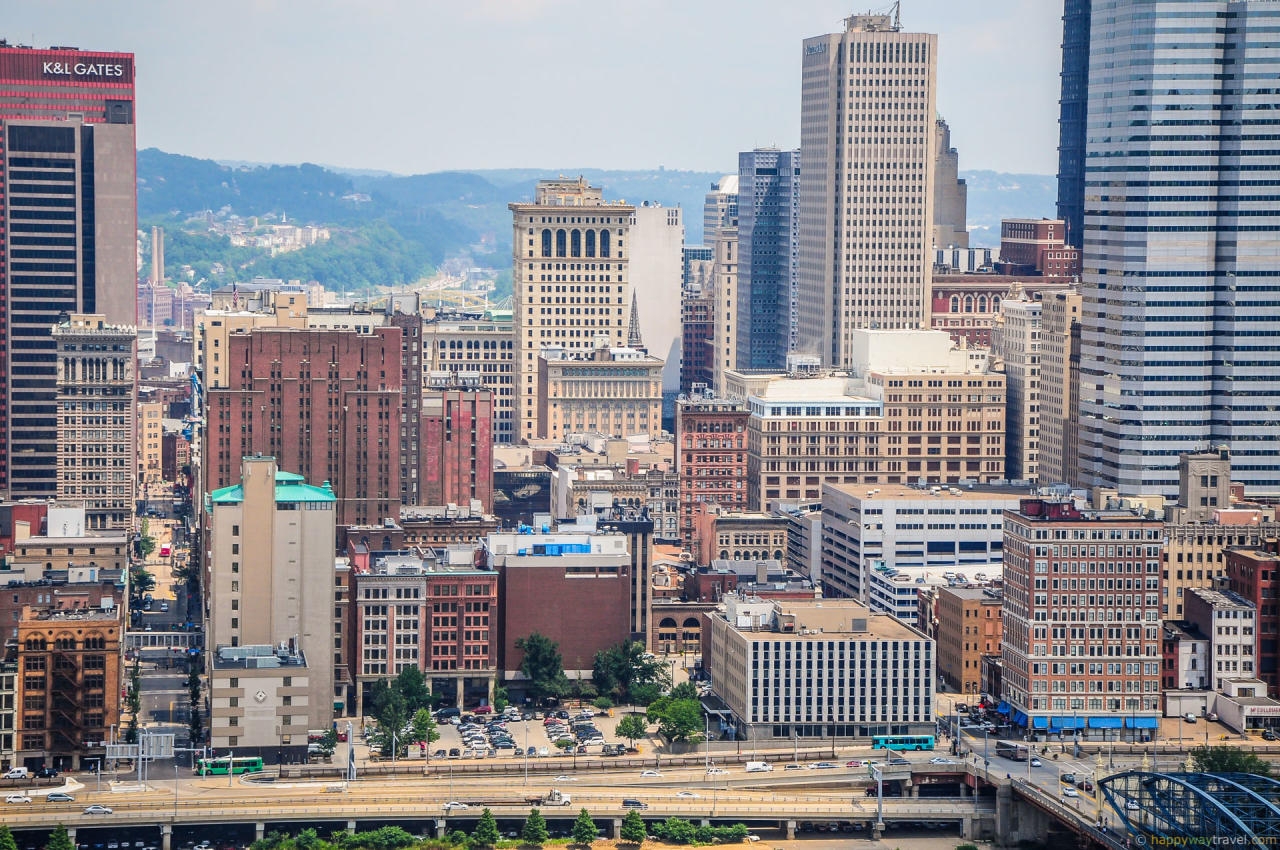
pixel 59 840
pixel 543 666
pixel 633 830
pixel 680 720
pixel 422 727
pixel 684 690
pixel 584 829
pixel 619 670
pixel 392 715
pixel 195 725
pixel 144 543
pixel 412 685
pixel 486 834
pixel 6 839
pixel 501 699
pixel 329 742
pixel 533 833
pixel 140 581
pixel 1228 760
pixel 308 839
pixel 632 728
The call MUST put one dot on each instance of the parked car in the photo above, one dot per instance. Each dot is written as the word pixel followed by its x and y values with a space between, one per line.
pixel 1268 735
pixel 823 765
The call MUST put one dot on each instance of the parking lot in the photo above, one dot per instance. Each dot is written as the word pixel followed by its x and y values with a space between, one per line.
pixel 511 736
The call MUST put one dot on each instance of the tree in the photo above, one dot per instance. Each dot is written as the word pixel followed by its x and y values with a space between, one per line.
pixel 584 829
pixel 533 833
pixel 632 728
pixel 543 666
pixel 308 839
pixel 633 830
pixel 195 725
pixel 1228 760
pixel 619 670
pixel 680 720
pixel 422 727
pixel 329 742
pixel 684 690
pixel 486 834
pixel 392 715
pixel 134 701
pixel 144 543
pixel 501 699
pixel 412 685
pixel 6 839
pixel 59 840
pixel 140 581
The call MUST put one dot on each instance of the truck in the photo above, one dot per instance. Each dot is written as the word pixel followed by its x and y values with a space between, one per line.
pixel 18 773
pixel 554 797
pixel 758 767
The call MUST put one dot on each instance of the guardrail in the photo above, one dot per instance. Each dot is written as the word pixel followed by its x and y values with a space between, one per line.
pixel 1067 815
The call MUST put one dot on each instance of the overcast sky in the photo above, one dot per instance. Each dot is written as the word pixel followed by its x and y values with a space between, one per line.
pixel 426 85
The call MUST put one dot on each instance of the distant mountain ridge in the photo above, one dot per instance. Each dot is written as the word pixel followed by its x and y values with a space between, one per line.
pixel 442 214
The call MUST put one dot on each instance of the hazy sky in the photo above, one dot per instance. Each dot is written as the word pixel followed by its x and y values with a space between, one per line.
pixel 426 85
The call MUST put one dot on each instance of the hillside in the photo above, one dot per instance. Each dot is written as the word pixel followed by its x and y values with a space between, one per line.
pixel 391 229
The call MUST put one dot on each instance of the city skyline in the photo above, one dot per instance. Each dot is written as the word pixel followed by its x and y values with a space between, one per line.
pixel 364 65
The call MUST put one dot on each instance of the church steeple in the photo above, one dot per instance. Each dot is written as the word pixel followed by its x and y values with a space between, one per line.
pixel 634 339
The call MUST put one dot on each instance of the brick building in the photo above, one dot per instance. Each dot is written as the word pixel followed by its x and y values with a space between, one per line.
pixel 1037 246
pixel 1253 572
pixel 711 458
pixel 968 627
pixel 325 403
pixel 1082 634
pixel 69 686
pixel 456 447
pixel 738 535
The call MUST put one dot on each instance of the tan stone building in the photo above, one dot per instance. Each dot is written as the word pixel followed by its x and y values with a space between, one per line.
pixel 270 601
pixel 1015 342
pixel 570 280
pixel 1059 387
pixel 150 447
pixel 724 272
pixel 613 391
pixel 916 410
pixel 96 411
pixel 475 343
pixel 738 535
pixel 968 627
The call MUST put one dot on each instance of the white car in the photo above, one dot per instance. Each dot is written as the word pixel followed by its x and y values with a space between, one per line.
pixel 940 760
pixel 95 809
pixel 563 778
pixel 1035 762
pixel 650 774
pixel 543 752
pixel 1068 791
pixel 687 795
pixel 455 805
pixel 716 771
pixel 17 798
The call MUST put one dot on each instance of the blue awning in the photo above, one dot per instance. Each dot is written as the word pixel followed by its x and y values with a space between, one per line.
pixel 1105 723
pixel 1142 722
pixel 1019 718
pixel 1040 722
pixel 1069 723
pixel 1003 708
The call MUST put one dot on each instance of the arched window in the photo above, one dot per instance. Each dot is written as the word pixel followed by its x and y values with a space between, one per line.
pixel 995 304
pixel 604 243
pixel 724 554
pixel 968 303
pixel 561 238
pixel 546 242
pixel 955 303
pixel 575 243
pixel 591 243
pixel 777 554
pixel 982 303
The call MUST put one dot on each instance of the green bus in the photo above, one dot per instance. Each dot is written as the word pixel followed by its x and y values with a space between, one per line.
pixel 902 742
pixel 222 766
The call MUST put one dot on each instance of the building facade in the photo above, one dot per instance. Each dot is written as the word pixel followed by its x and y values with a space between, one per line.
pixel 697 319
pixel 809 669
pixel 1060 387
pixel 1037 247
pixel 97 444
pixel 768 230
pixel 1082 636
pixel 1016 344
pixel 611 390
pixel 1073 104
pixel 710 458
pixel 466 343
pixel 950 193
pixel 571 280
pixel 456 447
pixel 867 112
pixel 269 599
pixel 1253 573
pixel 969 627
pixel 724 313
pixel 68 223
pixel 1228 621
pixel 1178 285
pixel 326 402
pixel 656 273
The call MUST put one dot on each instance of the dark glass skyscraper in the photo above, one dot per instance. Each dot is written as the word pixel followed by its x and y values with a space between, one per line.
pixel 768 221
pixel 68 224
pixel 1071 121
pixel 1181 267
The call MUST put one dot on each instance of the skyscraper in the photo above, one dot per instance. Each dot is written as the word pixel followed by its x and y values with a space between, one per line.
pixel 1071 121
pixel 1180 269
pixel 570 268
pixel 768 220
pixel 68 218
pixel 867 163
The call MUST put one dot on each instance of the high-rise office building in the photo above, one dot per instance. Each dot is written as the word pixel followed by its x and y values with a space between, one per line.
pixel 1072 119
pixel 697 318
pixel 724 309
pixel 950 193
pixel 656 272
pixel 97 448
pixel 1015 340
pixel 719 208
pixel 768 222
pixel 1180 268
pixel 571 279
pixel 68 219
pixel 1060 387
pixel 867 165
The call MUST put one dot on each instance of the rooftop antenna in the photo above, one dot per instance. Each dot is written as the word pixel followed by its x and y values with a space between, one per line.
pixel 897 14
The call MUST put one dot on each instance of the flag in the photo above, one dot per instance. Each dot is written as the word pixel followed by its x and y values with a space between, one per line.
pixel 235 294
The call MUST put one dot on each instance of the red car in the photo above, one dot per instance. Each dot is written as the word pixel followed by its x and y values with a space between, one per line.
pixel 484 709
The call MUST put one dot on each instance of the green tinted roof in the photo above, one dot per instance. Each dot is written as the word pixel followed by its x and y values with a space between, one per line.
pixel 281 475
pixel 288 489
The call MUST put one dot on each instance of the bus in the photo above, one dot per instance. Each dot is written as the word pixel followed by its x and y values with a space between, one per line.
pixel 1008 750
pixel 902 742
pixel 223 765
